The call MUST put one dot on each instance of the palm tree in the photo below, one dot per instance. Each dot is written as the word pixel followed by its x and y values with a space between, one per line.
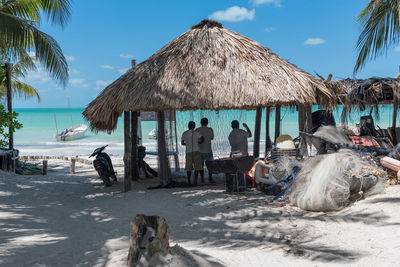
pixel 19 71
pixel 380 30
pixel 19 35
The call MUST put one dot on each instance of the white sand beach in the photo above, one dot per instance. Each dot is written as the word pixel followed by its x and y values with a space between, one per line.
pixel 73 220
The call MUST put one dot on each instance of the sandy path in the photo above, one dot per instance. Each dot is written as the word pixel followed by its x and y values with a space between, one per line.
pixel 63 220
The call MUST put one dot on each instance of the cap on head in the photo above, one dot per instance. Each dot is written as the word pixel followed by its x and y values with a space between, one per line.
pixel 235 124
pixel 204 122
pixel 191 125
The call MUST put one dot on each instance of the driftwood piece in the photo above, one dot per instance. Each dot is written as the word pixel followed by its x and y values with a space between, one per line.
pixel 149 235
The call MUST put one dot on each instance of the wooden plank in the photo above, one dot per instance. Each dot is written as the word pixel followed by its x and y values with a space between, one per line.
pixel 127 154
pixel 257 133
pixel 277 121
pixel 134 145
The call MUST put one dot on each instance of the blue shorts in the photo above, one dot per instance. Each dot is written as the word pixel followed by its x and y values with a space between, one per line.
pixel 206 156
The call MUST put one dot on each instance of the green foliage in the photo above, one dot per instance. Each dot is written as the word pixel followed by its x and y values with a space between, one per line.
pixel 7 119
pixel 19 70
pixel 26 168
pixel 20 34
pixel 380 30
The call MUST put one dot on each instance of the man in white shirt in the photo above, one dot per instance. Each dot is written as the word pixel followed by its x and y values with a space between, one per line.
pixel 205 147
pixel 191 139
pixel 238 138
pixel 238 141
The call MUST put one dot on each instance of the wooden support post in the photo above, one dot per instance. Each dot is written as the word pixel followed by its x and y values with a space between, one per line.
pixel 127 154
pixel 395 109
pixel 72 166
pixel 277 121
pixel 44 167
pixel 164 171
pixel 268 144
pixel 176 157
pixel 257 133
pixel 134 147
pixel 302 117
pixel 309 118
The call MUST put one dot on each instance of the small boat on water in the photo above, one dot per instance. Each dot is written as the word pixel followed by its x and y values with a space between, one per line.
pixel 73 133
pixel 153 134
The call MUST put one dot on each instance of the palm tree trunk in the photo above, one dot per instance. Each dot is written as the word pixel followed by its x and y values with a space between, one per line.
pixel 9 103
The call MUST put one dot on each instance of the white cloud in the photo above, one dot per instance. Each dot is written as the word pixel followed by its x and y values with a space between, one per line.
pixel 277 3
pixel 397 48
pixel 38 76
pixel 123 70
pixel 74 71
pixel 69 58
pixel 314 41
pixel 125 56
pixel 103 83
pixel 100 84
pixel 77 81
pixel 270 29
pixel 234 14
pixel 107 67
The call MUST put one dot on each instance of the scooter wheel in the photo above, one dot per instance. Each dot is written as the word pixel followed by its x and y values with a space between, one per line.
pixel 106 181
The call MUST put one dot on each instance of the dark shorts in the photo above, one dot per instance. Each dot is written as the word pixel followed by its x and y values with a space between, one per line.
pixel 206 156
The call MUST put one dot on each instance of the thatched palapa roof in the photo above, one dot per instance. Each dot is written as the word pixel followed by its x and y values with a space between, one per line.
pixel 359 94
pixel 207 67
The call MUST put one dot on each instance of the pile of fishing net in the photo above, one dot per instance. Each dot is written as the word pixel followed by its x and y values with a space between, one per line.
pixel 332 181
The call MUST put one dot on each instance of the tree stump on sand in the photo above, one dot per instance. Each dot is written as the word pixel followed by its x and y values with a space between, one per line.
pixel 149 235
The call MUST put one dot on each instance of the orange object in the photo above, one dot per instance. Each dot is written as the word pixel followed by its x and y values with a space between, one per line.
pixel 364 141
pixel 390 163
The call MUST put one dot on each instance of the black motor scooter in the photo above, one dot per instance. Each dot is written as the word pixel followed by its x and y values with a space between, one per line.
pixel 103 166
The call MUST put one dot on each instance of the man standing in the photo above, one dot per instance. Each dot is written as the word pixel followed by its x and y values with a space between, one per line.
pixel 191 139
pixel 205 147
pixel 238 141
pixel 238 138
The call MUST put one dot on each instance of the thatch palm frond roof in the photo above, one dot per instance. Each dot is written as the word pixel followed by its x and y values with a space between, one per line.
pixel 207 67
pixel 371 92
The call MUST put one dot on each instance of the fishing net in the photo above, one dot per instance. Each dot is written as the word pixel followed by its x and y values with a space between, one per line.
pixel 220 122
pixel 330 182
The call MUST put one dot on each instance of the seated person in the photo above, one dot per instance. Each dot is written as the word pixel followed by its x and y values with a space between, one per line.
pixel 142 164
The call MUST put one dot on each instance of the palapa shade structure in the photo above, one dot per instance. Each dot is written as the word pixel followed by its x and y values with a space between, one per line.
pixel 207 67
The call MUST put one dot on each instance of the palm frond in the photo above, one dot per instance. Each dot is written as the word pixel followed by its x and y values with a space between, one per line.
pixel 58 11
pixel 380 30
pixel 24 90
pixel 49 54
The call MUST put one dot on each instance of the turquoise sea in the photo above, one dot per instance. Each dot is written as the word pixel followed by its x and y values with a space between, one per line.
pixel 40 126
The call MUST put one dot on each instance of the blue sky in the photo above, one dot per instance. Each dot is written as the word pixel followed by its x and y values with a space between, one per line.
pixel 103 36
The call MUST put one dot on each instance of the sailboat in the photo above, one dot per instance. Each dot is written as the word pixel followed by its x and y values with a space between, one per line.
pixel 73 133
